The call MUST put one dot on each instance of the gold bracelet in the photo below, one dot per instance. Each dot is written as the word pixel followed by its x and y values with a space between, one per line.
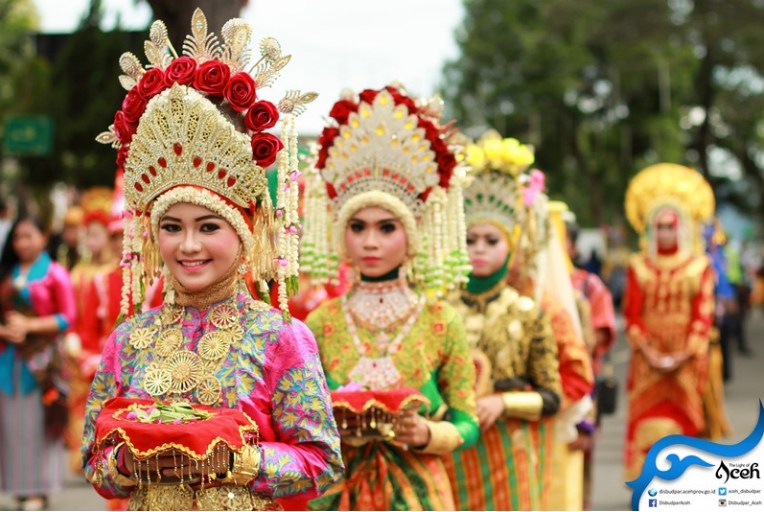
pixel 246 466
pixel 523 405
pixel 444 438
pixel 117 477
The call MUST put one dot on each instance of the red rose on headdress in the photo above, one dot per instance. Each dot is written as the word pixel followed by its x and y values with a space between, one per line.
pixel 265 146
pixel 181 70
pixel 342 109
pixel 325 141
pixel 368 96
pixel 446 164
pixel 327 136
pixel 240 91
pixel 323 153
pixel 402 99
pixel 133 105
pixel 261 116
pixel 439 145
pixel 152 83
pixel 212 77
pixel 122 156
pixel 123 128
pixel 430 130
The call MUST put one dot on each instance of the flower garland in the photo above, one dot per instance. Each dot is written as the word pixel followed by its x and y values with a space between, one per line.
pixel 212 78
pixel 435 134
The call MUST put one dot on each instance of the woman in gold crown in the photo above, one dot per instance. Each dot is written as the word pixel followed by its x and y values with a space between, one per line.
pixel 196 192
pixel 668 307
pixel 388 176
pixel 516 356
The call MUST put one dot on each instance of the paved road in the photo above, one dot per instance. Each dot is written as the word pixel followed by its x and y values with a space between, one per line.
pixel 742 395
pixel 610 493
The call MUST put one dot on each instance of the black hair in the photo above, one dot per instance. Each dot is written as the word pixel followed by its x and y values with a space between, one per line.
pixel 9 258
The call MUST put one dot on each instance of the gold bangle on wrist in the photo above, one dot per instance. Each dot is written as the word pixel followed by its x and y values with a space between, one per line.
pixel 444 438
pixel 245 467
pixel 524 405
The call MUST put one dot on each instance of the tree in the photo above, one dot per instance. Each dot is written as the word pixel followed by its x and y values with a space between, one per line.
pixel 176 14
pixel 85 94
pixel 604 88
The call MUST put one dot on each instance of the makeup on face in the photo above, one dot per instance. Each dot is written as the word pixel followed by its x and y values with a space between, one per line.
pixel 487 247
pixel 198 246
pixel 376 241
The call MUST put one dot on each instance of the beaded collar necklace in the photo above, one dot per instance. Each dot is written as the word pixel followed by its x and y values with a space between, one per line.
pixel 380 307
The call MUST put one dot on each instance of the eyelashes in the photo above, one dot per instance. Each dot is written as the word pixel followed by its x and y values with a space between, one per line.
pixel 175 228
pixel 492 242
pixel 358 227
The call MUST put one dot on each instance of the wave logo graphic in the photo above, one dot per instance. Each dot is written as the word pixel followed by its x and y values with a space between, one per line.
pixel 677 466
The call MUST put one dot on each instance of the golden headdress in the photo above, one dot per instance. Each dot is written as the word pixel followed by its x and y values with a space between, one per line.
pixel 667 185
pixel 495 192
pixel 388 149
pixel 96 205
pixel 192 128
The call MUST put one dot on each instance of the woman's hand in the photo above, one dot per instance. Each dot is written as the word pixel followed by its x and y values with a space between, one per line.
pixel 11 335
pixel 18 322
pixel 411 429
pixel 654 359
pixel 489 409
pixel 173 464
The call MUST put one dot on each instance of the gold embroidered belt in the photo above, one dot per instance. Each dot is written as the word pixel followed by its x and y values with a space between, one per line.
pixel 184 497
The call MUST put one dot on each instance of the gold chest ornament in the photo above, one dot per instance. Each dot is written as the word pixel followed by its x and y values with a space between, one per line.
pixel 177 370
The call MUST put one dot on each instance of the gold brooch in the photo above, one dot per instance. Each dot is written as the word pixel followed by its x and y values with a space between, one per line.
pixel 141 338
pixel 157 380
pixel 215 345
pixel 209 391
pixel 184 368
pixel 169 342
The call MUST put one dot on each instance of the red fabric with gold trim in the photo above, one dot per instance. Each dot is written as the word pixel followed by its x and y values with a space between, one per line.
pixel 195 438
pixel 389 400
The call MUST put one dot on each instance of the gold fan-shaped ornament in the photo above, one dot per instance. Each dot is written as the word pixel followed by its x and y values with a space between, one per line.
pixel 667 183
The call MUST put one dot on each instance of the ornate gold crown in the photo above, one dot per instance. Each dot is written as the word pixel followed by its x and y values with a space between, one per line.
pixel 668 184
pixel 495 193
pixel 96 203
pixel 388 149
pixel 197 121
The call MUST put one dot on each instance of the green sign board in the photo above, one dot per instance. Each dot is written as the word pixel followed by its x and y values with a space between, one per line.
pixel 28 136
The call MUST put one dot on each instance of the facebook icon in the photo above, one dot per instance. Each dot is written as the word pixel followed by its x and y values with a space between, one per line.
pixel 652 502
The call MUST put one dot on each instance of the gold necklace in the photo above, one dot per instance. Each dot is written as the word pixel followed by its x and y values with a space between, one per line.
pixel 381 307
pixel 379 372
pixel 177 370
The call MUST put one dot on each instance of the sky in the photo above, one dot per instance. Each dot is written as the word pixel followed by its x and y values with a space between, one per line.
pixel 334 43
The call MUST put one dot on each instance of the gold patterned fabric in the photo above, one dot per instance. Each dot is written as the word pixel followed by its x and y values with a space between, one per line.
pixel 512 332
pixel 504 470
pixel 668 305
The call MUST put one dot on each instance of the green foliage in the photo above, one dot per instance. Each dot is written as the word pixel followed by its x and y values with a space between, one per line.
pixel 604 88
pixel 17 19
pixel 79 90
pixel 86 96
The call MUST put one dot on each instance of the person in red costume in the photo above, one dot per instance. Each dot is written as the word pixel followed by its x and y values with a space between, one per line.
pixel 82 341
pixel 668 309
